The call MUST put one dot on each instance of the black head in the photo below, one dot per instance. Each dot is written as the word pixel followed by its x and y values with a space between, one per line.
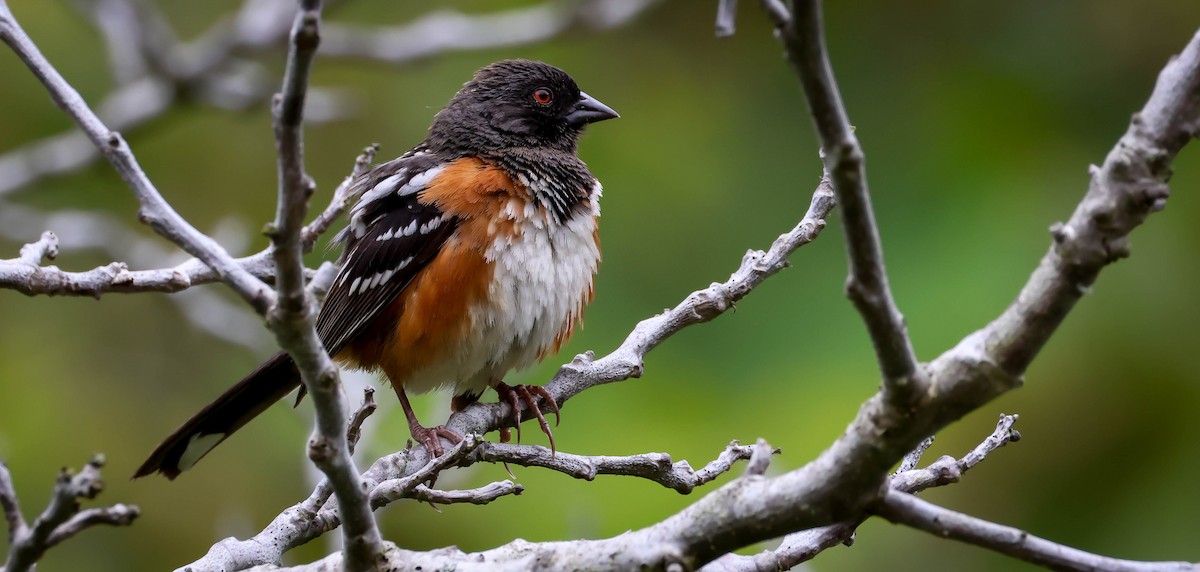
pixel 516 103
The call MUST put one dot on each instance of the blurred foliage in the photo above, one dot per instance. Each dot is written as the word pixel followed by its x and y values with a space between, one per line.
pixel 979 120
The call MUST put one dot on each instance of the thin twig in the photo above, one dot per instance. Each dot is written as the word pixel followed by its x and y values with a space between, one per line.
pixel 394 489
pixel 906 509
pixel 656 467
pixel 804 38
pixel 481 495
pixel 913 458
pixel 354 429
pixel 61 519
pixel 343 195
pixel 404 477
pixel 45 247
pixel 760 458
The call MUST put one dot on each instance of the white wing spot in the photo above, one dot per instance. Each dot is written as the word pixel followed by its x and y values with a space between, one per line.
pixel 431 225
pixel 408 230
pixel 419 181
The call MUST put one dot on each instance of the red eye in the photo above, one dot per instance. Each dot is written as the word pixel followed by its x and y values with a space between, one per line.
pixel 543 96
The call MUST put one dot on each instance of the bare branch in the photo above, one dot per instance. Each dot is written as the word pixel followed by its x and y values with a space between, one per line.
pixel 760 458
pixel 11 505
pixel 1128 187
pixel 913 458
pixel 46 247
pixel 354 430
pixel 777 12
pixel 119 514
pixel 394 489
pixel 481 495
pixel 656 467
pixel 29 277
pixel 399 476
pixel 805 545
pixel 293 317
pixel 804 38
pixel 947 470
pixel 154 209
pixel 62 518
pixel 906 509
pixel 342 197
pixel 32 279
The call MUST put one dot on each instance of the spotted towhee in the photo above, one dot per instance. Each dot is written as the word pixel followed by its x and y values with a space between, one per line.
pixel 469 256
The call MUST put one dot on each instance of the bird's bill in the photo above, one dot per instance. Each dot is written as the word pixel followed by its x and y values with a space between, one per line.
pixel 590 110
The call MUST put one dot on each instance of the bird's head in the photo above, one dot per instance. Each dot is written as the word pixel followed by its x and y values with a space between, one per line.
pixel 516 103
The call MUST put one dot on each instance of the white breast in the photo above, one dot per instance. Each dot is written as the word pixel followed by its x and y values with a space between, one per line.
pixel 541 278
pixel 540 285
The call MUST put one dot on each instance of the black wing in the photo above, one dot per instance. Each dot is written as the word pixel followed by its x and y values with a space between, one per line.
pixel 391 237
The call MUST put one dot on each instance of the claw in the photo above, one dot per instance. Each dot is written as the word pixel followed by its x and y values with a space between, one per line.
pixel 548 399
pixel 508 394
pixel 531 401
pixel 517 394
pixel 429 438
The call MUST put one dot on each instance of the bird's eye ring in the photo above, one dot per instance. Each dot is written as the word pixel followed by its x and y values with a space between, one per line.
pixel 543 96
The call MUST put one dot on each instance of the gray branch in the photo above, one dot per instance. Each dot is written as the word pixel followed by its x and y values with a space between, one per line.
pixel 154 210
pixel 293 317
pixel 62 518
pixel 10 504
pixel 906 509
pixel 805 545
pixel 657 467
pixel 803 36
pixel 403 474
pixel 482 495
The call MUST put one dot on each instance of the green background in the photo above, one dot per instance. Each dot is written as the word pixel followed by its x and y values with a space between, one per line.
pixel 978 119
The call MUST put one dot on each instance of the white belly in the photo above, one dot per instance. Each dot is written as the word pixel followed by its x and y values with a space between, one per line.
pixel 540 283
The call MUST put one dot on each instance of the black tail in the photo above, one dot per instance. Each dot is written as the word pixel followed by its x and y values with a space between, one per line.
pixel 219 419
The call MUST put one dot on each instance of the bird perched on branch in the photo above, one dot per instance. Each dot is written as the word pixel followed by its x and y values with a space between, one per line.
pixel 469 256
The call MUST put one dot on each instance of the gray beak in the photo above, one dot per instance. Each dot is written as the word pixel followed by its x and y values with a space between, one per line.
pixel 589 110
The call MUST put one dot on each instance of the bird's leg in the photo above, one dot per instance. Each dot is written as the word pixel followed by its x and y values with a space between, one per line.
pixel 514 395
pixel 425 436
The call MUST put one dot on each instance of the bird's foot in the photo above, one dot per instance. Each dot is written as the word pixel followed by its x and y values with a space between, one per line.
pixel 515 395
pixel 428 436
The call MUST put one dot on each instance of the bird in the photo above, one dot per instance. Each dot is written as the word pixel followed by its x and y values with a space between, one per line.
pixel 469 256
